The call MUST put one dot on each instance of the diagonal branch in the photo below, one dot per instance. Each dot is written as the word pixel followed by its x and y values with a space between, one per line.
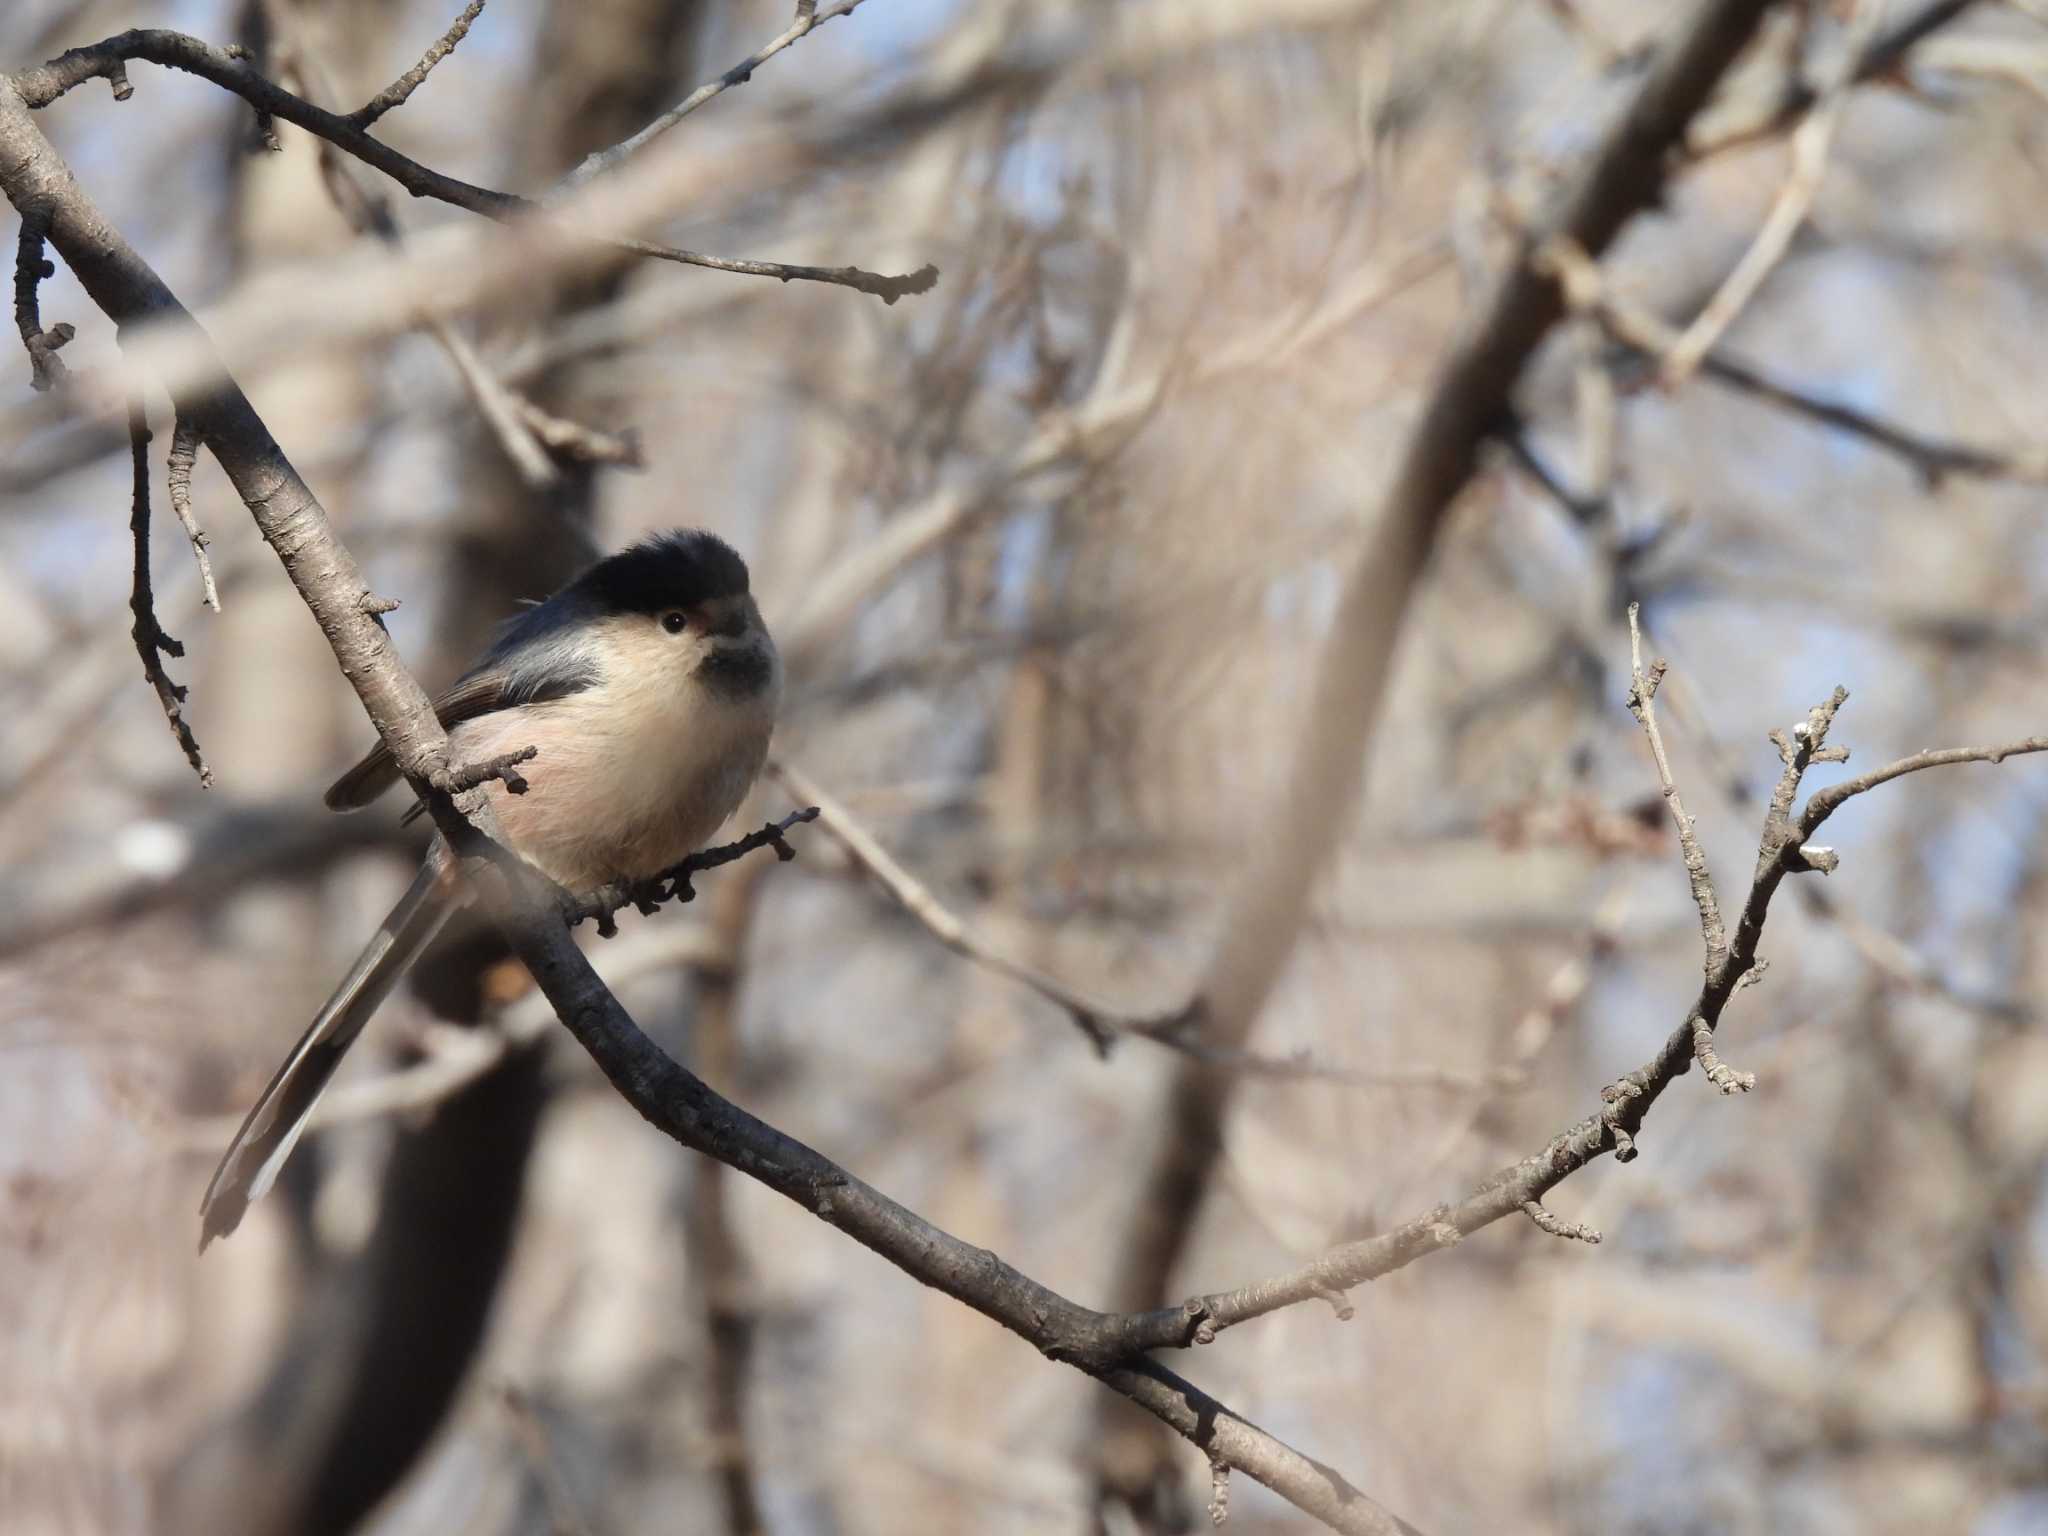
pixel 809 17
pixel 1883 56
pixel 1812 141
pixel 395 94
pixel 1642 696
pixel 1783 849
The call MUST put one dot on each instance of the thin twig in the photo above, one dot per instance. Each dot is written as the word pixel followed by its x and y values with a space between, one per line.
pixel 30 268
pixel 151 643
pixel 229 68
pixel 1103 1024
pixel 808 18
pixel 1811 142
pixel 505 767
pixel 395 94
pixel 1100 1022
pixel 1625 1102
pixel 882 285
pixel 184 454
pixel 576 443
pixel 1549 1221
pixel 674 884
pixel 1645 334
pixel 1642 695
pixel 1882 57
pixel 1824 803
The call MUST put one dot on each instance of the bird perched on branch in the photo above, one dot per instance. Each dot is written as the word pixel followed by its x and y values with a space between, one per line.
pixel 648 686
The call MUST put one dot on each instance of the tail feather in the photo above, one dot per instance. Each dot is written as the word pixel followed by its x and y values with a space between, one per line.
pixel 273 1126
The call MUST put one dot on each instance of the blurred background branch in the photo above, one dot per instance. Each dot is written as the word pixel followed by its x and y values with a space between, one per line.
pixel 1057 548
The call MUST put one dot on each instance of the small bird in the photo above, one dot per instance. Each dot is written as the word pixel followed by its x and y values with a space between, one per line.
pixel 649 684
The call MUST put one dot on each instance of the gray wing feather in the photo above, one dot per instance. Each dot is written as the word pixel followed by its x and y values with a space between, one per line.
pixel 513 674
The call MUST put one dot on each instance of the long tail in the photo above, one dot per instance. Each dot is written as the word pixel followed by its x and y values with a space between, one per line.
pixel 268 1135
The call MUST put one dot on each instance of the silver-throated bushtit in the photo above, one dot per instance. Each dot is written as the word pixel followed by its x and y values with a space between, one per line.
pixel 649 685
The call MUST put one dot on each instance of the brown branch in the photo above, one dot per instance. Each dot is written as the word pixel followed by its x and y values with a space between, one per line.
pixel 1812 141
pixel 30 268
pixel 395 94
pixel 1649 337
pixel 151 643
pixel 184 455
pixel 227 68
pixel 467 776
pixel 1883 56
pixel 1824 803
pixel 668 1096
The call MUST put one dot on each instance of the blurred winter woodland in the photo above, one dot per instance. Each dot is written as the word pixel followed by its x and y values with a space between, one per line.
pixel 1208 613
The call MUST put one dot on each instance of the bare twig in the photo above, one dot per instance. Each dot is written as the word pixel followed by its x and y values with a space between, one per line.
pixel 1642 695
pixel 368 212
pixel 674 884
pixel 883 286
pixel 184 455
pixel 1625 1102
pixel 1100 1022
pixel 30 268
pixel 1106 416
pixel 466 776
pixel 808 17
pixel 1811 142
pixel 573 441
pixel 1824 803
pixel 229 69
pixel 1644 333
pixel 1549 1221
pixel 395 94
pixel 151 643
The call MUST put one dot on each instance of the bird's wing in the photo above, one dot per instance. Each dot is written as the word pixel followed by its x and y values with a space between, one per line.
pixel 531 663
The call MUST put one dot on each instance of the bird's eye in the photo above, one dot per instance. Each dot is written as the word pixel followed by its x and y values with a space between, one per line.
pixel 675 621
